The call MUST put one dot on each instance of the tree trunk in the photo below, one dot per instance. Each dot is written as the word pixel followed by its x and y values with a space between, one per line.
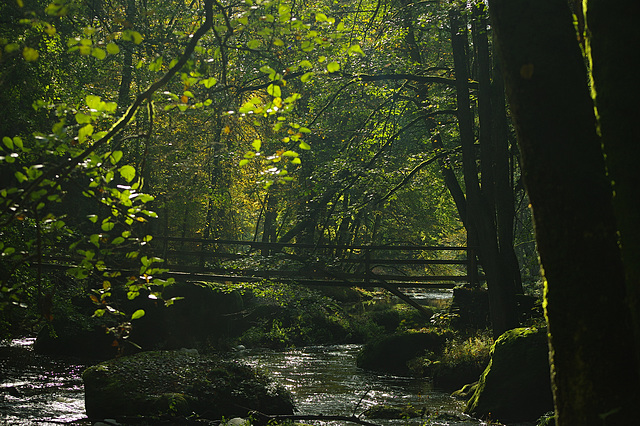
pixel 592 356
pixel 502 302
pixel 610 33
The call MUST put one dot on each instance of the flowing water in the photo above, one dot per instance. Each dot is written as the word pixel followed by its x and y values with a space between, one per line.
pixel 36 389
pixel 325 380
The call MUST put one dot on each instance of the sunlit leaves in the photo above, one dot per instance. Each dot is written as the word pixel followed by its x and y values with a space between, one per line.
pixel 127 172
pixel 98 53
pixel 84 133
pixel 95 103
pixel 156 65
pixel 254 44
pixel 355 49
pixel 131 35
pixel 30 54
pixel 113 49
pixel 333 66
pixel 274 90
pixel 137 314
pixel 209 82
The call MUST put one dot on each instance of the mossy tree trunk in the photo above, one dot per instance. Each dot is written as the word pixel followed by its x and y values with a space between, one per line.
pixel 591 345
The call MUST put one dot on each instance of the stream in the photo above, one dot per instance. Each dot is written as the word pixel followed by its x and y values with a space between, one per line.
pixel 37 389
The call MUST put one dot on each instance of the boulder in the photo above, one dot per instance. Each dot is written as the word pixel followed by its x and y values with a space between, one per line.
pixel 178 383
pixel 205 315
pixel 391 354
pixel 516 385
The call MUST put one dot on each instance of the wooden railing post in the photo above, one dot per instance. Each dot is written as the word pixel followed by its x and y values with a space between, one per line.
pixel 367 266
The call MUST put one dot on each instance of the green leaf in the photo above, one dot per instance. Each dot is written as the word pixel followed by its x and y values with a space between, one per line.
pixel 11 47
pixel 113 49
pixel 93 218
pixel 355 50
pixel 115 157
pixel 17 141
pixel 98 53
pixel 306 64
pixel 94 102
pixel 117 240
pixel 267 69
pixel 209 82
pixel 274 90
pixel 296 161
pixel 85 132
pixel 306 76
pixel 127 172
pixel 256 144
pixel 30 54
pixel 134 36
pixel 8 142
pixel 145 198
pixel 254 44
pixel 21 177
pixel 304 145
pixel 82 118
pixel 321 17
pixel 107 226
pixel 333 66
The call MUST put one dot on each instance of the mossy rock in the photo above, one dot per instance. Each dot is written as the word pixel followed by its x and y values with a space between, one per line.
pixel 516 385
pixel 391 354
pixel 161 383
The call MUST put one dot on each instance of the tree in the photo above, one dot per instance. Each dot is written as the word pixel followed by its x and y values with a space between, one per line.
pixel 590 304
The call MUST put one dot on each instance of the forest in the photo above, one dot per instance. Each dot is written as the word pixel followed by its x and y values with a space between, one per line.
pixel 145 142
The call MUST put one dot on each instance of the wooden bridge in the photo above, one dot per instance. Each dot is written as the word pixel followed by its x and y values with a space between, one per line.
pixel 391 267
pixel 398 266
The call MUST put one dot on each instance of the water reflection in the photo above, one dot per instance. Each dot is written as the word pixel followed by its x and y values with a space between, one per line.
pixel 36 389
pixel 325 380
pixel 40 390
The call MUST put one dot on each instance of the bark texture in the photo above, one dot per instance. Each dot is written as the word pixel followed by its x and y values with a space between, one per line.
pixel 610 32
pixel 591 345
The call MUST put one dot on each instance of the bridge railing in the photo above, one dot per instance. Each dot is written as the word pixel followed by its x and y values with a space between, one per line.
pixel 317 264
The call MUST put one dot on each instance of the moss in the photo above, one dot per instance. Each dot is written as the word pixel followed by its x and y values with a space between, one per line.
pixel 516 384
